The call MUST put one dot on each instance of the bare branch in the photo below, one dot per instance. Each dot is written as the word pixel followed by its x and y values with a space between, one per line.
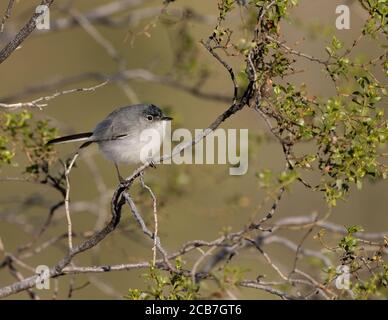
pixel 266 288
pixel 130 74
pixel 155 217
pixel 7 14
pixel 22 34
pixel 36 103
pixel 68 216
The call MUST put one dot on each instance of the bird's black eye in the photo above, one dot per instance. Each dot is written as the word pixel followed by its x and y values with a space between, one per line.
pixel 150 118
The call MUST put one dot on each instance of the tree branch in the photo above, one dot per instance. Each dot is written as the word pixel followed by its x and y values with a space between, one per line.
pixel 22 34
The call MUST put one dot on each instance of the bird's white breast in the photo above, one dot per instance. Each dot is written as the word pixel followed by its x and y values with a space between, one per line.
pixel 135 148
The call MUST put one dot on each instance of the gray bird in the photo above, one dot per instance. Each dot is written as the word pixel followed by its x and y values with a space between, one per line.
pixel 119 135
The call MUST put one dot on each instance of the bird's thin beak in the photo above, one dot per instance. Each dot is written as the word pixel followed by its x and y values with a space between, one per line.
pixel 166 118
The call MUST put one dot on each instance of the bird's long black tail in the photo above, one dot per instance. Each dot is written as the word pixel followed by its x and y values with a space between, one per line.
pixel 72 138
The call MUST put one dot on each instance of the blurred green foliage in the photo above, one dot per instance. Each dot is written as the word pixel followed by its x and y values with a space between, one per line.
pixel 22 134
pixel 166 287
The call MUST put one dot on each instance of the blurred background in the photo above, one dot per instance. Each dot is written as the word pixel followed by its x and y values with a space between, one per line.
pixel 194 201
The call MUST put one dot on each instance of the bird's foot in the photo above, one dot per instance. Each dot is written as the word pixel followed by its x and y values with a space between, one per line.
pixel 152 164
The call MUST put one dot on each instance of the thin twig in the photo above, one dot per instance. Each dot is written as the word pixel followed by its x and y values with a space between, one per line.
pixel 22 35
pixel 68 217
pixel 153 236
pixel 36 103
pixel 155 217
pixel 7 14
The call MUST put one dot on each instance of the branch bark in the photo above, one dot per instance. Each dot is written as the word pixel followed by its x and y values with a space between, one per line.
pixel 22 35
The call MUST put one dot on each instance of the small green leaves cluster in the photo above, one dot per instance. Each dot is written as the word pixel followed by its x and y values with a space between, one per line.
pixel 268 179
pixel 374 286
pixel 349 242
pixel 230 276
pixel 350 135
pixel 6 154
pixel 224 7
pixel 21 133
pixel 367 272
pixel 173 286
pixel 378 12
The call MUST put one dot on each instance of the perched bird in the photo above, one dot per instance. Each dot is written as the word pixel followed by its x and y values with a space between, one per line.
pixel 119 135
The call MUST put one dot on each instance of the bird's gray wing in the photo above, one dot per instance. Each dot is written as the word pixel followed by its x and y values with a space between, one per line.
pixel 112 128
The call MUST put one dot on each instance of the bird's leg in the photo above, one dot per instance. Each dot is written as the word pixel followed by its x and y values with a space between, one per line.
pixel 152 163
pixel 121 179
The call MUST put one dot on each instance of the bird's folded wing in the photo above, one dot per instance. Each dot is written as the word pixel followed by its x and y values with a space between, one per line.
pixel 110 129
